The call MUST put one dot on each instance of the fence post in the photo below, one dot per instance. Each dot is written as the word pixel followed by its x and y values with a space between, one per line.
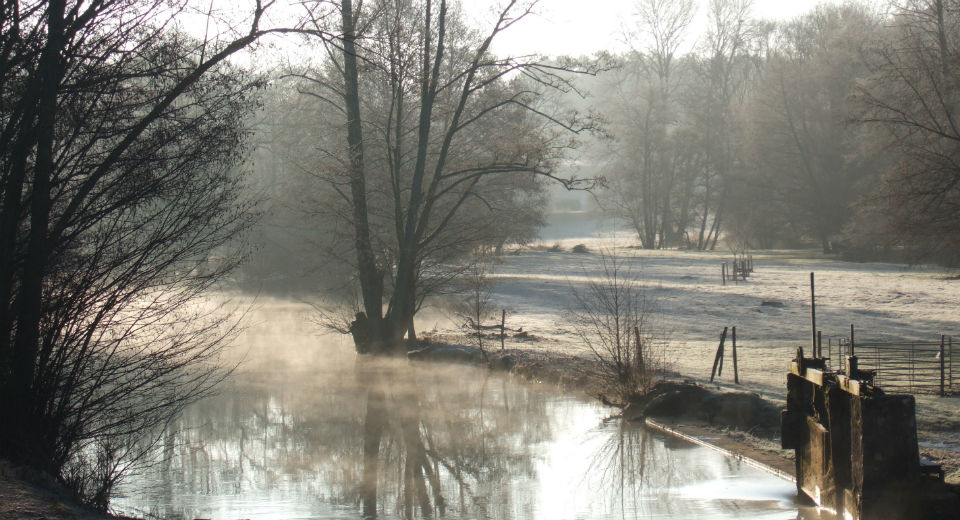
pixel 723 273
pixel 643 366
pixel 503 326
pixel 913 355
pixel 851 341
pixel 736 372
pixel 718 359
pixel 942 360
pixel 813 317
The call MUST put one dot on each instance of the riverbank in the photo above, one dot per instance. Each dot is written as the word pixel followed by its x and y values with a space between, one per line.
pixel 25 495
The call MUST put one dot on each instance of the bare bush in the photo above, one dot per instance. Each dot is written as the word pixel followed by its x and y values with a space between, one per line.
pixel 475 306
pixel 616 321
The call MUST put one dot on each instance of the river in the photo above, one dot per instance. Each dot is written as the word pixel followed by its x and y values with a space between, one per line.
pixel 306 429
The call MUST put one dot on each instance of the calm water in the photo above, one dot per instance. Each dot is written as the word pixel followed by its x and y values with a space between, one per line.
pixel 307 430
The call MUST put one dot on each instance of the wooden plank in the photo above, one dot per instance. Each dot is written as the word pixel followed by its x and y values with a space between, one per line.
pixel 851 386
pixel 813 375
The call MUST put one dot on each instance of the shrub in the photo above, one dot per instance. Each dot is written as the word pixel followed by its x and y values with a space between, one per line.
pixel 617 323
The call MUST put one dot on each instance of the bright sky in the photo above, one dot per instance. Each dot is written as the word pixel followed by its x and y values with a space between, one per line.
pixel 577 27
pixel 558 27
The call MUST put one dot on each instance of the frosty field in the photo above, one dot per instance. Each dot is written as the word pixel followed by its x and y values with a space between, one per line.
pixel 883 301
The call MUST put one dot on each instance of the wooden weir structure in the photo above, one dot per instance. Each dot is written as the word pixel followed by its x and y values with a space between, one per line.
pixel 855 446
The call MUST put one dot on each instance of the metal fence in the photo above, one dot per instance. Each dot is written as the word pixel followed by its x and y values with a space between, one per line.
pixel 918 367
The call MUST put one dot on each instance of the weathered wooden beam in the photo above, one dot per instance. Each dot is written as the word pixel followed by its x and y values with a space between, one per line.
pixel 813 375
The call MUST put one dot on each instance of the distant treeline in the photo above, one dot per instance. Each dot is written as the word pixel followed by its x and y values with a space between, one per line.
pixel 838 128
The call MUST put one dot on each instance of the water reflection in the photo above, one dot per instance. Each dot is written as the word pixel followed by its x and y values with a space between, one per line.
pixel 445 437
pixel 328 435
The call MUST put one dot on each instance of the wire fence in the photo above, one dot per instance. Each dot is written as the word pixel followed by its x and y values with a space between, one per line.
pixel 918 367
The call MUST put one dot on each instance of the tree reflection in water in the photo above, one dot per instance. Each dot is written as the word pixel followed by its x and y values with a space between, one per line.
pixel 393 438
pixel 641 473
pixel 433 441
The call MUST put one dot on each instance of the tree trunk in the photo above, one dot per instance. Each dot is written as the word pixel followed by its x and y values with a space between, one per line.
pixel 412 332
pixel 370 276
pixel 717 220
pixel 10 222
pixel 30 300
pixel 701 244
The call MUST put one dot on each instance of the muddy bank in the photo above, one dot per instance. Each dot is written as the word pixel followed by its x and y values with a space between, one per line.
pixel 740 424
pixel 689 401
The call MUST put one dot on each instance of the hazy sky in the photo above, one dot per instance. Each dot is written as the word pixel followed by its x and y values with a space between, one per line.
pixel 576 27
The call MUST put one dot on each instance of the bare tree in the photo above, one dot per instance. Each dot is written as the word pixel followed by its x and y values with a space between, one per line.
pixel 119 141
pixel 617 323
pixel 475 291
pixel 724 71
pixel 645 159
pixel 455 125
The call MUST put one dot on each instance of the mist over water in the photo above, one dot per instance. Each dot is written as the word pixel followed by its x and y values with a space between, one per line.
pixel 286 438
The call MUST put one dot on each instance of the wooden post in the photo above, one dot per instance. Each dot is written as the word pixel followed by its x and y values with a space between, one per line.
pixel 813 316
pixel 503 326
pixel 717 360
pixel 941 356
pixel 723 273
pixel 643 367
pixel 851 342
pixel 819 343
pixel 736 372
pixel 830 350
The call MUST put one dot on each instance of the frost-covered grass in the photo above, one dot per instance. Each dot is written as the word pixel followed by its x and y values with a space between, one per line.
pixel 883 301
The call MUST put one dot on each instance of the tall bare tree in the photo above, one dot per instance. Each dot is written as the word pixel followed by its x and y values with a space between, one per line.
pixel 645 158
pixel 452 128
pixel 118 141
pixel 726 69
